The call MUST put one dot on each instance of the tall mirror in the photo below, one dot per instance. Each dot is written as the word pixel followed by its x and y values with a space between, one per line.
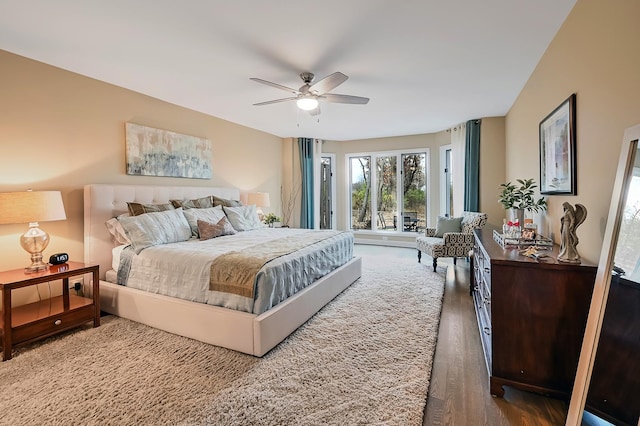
pixel 608 378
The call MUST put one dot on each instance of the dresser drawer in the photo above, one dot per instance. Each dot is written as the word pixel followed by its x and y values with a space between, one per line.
pixel 486 299
pixel 53 324
pixel 486 277
pixel 482 267
pixel 484 326
pixel 477 275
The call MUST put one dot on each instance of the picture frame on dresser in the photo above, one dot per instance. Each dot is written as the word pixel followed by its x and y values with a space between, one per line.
pixel 607 381
pixel 557 135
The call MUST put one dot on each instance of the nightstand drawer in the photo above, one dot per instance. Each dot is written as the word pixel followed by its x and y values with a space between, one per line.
pixel 53 324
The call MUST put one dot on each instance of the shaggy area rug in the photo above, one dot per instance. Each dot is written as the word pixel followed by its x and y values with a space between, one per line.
pixel 365 358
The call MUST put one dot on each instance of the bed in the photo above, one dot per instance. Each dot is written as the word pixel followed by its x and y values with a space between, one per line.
pixel 247 332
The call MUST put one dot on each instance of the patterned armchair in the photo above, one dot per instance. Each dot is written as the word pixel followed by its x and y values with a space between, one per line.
pixel 452 244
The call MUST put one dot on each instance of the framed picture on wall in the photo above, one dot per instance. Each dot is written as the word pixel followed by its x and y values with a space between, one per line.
pixel 558 149
pixel 156 152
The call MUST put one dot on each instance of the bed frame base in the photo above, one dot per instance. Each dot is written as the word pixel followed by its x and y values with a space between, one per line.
pixel 241 331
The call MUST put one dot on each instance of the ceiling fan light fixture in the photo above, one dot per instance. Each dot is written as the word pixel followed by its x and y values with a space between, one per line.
pixel 307 103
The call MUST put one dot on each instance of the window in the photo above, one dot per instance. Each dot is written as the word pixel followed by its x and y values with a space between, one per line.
pixel 446 181
pixel 627 251
pixel 327 191
pixel 360 174
pixel 387 191
pixel 398 202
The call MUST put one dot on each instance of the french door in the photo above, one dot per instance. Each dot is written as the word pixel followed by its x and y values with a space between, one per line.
pixel 327 191
pixel 388 191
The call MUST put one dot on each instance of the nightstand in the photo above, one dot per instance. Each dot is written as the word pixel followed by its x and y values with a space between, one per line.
pixel 37 320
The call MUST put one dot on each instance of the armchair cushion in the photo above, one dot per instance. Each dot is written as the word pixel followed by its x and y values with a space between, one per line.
pixel 448 224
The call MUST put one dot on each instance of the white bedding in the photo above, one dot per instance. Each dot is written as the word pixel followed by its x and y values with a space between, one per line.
pixel 115 257
pixel 182 269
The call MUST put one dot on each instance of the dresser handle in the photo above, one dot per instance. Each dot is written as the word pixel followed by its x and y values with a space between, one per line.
pixel 57 322
pixel 487 331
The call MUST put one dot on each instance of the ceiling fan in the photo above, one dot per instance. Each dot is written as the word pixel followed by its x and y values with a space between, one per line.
pixel 308 95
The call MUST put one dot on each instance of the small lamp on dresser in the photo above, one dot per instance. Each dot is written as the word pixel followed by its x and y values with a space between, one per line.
pixel 32 207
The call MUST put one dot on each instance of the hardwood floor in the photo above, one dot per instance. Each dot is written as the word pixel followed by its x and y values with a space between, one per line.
pixel 459 386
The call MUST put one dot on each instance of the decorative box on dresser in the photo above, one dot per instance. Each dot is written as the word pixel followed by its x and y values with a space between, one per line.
pixel 531 316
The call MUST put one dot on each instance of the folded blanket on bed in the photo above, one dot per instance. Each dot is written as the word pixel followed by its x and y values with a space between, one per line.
pixel 235 272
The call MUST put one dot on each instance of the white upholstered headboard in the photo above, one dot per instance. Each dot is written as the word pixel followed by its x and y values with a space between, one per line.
pixel 104 201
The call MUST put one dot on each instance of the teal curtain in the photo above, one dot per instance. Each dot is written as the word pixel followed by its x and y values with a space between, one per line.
pixel 305 146
pixel 472 167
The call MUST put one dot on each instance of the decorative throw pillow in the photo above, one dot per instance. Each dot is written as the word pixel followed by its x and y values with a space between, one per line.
pixel 198 203
pixel 243 218
pixel 211 215
pixel 151 229
pixel 448 224
pixel 208 230
pixel 217 201
pixel 117 231
pixel 136 209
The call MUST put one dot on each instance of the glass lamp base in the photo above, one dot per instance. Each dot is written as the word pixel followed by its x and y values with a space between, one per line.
pixel 36 267
pixel 34 241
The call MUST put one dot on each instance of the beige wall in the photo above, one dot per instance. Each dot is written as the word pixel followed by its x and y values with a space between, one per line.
pixel 492 167
pixel 341 148
pixel 291 193
pixel 595 55
pixel 60 131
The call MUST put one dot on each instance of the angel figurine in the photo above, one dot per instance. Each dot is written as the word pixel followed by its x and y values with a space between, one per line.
pixel 570 221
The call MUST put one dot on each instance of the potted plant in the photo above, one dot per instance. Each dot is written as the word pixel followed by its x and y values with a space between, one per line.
pixel 270 219
pixel 517 199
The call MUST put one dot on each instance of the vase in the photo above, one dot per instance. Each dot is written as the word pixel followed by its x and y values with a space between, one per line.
pixel 516 215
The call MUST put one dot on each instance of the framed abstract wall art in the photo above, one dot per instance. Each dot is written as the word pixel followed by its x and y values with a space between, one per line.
pixel 558 149
pixel 156 152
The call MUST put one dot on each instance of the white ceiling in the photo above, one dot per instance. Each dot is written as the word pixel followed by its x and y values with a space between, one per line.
pixel 426 65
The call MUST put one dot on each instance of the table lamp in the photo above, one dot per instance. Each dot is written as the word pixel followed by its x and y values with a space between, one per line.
pixel 32 207
pixel 260 199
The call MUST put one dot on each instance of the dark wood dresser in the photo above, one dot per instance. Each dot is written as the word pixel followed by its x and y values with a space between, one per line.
pixel 531 317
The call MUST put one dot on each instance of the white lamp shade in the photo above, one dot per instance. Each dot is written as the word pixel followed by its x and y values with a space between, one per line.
pixel 260 199
pixel 307 104
pixel 31 206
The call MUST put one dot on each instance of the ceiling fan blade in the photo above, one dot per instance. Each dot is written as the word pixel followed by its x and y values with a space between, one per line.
pixel 344 99
pixel 328 83
pixel 275 101
pixel 276 85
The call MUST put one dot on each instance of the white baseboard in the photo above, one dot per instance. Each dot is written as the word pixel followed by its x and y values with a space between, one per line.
pixel 387 243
